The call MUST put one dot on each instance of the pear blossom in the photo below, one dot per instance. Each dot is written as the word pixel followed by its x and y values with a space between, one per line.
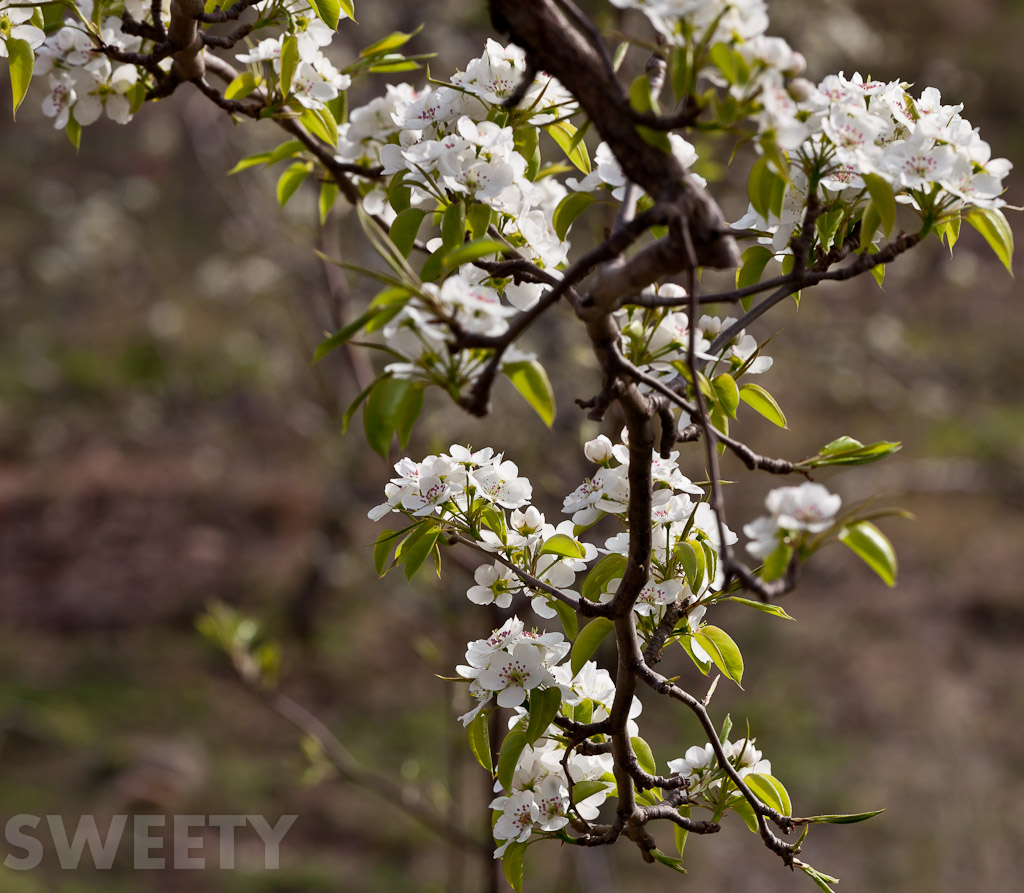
pixel 807 507
pixel 15 25
pixel 100 86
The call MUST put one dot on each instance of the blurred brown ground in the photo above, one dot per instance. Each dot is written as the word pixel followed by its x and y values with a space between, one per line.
pixel 164 442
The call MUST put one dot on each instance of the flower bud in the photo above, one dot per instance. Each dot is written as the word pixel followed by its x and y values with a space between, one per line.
pixel 598 450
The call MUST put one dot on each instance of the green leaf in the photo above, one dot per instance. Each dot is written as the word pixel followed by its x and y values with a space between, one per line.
pixel 583 789
pixel 343 334
pixel 416 547
pixel 320 123
pixel 569 621
pixel 408 412
pixel 525 142
pixel 564 545
pixel 774 610
pixel 846 450
pixel 758 186
pixel 470 252
pixel 644 755
pixel 869 223
pixel 328 196
pixel 242 85
pixel 392 42
pixel 382 411
pixel 679 72
pixel 562 132
pixel 74 132
pixel 691 555
pixel 776 563
pixel 508 757
pixel 948 230
pixel 569 208
pixel 680 832
pixel 763 403
pixel 607 569
pixel 724 60
pixel 840 819
pixel 453 226
pixel 770 791
pixel 822 880
pixel 991 223
pixel 22 61
pixel 673 863
pixel 755 259
pixel 291 180
pixel 640 98
pixel 405 228
pixel 883 199
pixel 329 11
pixel 723 651
pixel 480 741
pixel 478 219
pixel 745 811
pixel 289 62
pixel 687 646
pixel 588 641
pixel 529 378
pixel 827 225
pixel 382 550
pixel 512 865
pixel 726 393
pixel 878 273
pixel 349 8
pixel 869 544
pixel 544 704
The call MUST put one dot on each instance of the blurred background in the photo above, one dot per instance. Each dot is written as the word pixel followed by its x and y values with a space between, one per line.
pixel 164 442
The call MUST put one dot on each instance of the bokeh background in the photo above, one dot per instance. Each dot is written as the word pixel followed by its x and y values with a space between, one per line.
pixel 164 441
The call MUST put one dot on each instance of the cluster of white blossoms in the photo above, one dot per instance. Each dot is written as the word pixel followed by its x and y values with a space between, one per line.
pixel 442 141
pixel 421 331
pixel 448 485
pixel 658 341
pixel 479 496
pixel 83 83
pixel 607 172
pixel 678 20
pixel 846 128
pixel 704 776
pixel 793 512
pixel 315 80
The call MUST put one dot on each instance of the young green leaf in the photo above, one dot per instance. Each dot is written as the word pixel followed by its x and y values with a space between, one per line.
pixel 758 399
pixel 770 791
pixel 508 757
pixel 723 651
pixel 766 608
pixel 588 641
pixel 329 11
pixel 609 568
pixel 841 819
pixel 726 392
pixel 644 755
pixel 531 380
pixel 570 623
pixel 242 85
pixel 328 196
pixel 544 704
pixel 22 60
pixel 869 544
pixel 453 226
pixel 562 132
pixel 289 62
pixel 883 199
pixel 291 180
pixel 382 411
pixel 755 259
pixel 564 545
pixel 569 208
pixel 479 740
pixel 512 865
pixel 991 223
